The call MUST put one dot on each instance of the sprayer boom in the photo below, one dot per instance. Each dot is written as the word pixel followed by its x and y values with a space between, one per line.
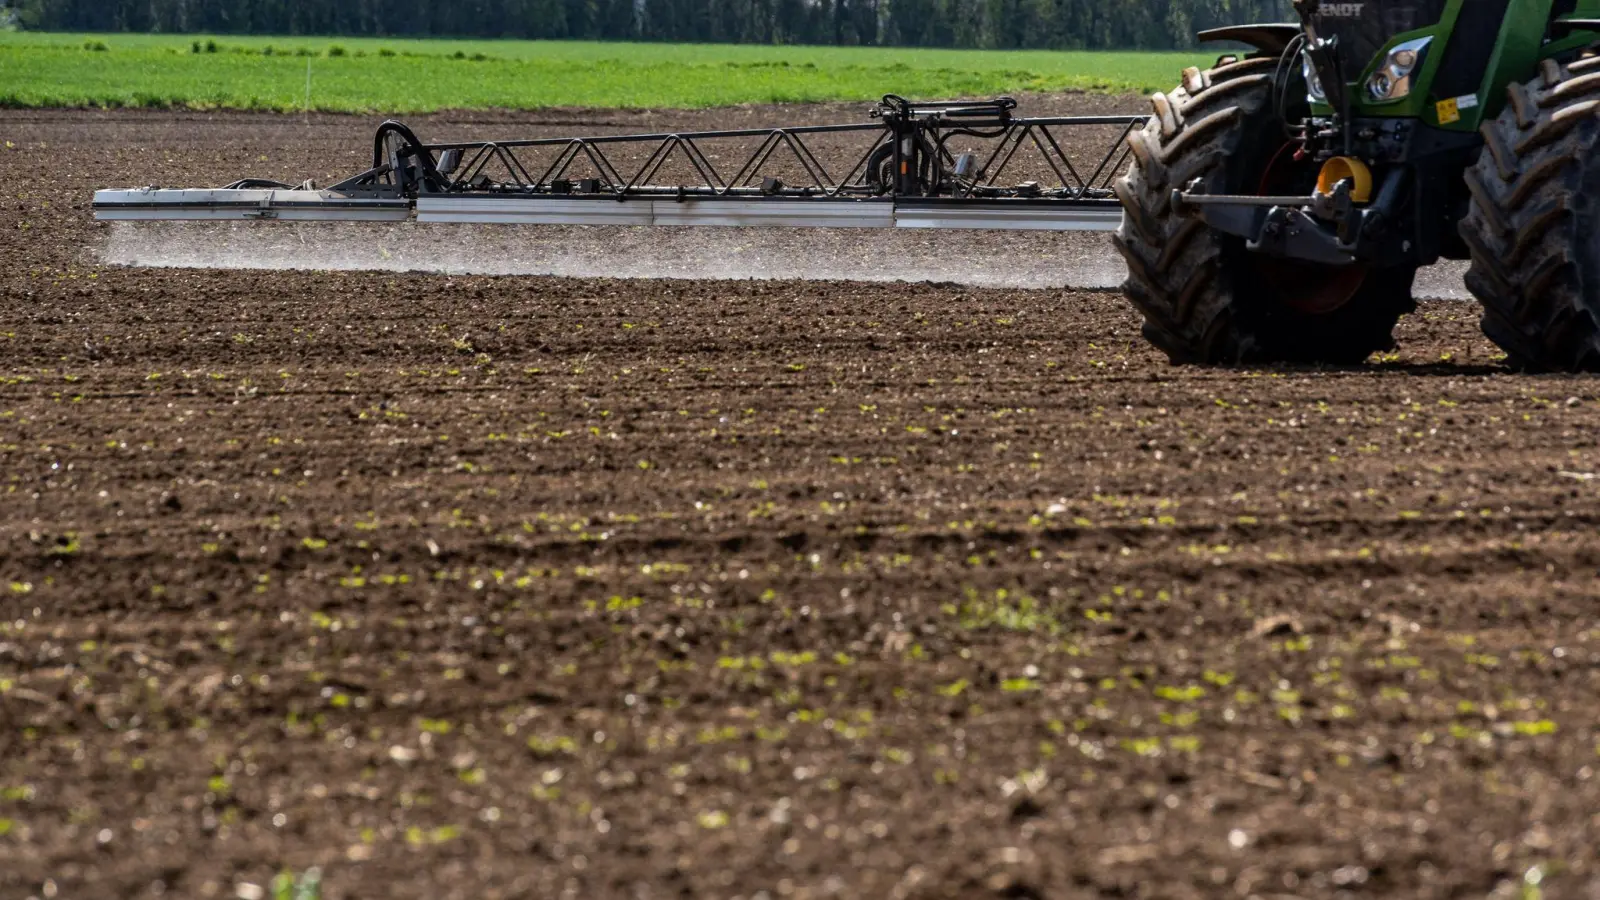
pixel 965 164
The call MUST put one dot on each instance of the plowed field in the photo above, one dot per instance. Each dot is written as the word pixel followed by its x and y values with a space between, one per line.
pixel 533 587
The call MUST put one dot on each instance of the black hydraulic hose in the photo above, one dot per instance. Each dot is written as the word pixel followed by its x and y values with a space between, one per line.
pixel 1281 78
pixel 259 184
pixel 971 132
pixel 412 147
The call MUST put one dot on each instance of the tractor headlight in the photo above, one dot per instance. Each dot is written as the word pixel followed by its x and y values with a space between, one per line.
pixel 1314 91
pixel 1394 76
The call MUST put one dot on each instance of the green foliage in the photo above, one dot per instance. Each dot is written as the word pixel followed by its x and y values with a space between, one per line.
pixel 1187 694
pixel 1003 611
pixel 163 71
pixel 991 24
pixel 285 886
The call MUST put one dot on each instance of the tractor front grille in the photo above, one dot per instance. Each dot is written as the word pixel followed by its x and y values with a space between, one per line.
pixel 1364 27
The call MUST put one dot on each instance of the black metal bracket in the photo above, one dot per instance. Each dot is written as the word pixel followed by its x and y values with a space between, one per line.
pixel 1323 228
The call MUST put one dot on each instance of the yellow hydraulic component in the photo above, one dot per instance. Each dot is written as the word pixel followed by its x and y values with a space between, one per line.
pixel 1342 168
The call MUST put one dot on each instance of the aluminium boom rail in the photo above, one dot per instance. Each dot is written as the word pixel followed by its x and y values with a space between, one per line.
pixel 910 173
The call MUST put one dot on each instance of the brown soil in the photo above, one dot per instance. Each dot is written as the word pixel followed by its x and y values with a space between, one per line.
pixel 473 587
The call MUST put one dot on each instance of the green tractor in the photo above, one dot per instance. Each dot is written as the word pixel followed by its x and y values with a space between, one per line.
pixel 1279 204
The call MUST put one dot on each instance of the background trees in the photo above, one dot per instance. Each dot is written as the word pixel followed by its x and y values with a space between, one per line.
pixel 994 24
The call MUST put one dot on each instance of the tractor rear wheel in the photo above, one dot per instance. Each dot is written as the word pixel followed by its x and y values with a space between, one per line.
pixel 1206 298
pixel 1534 226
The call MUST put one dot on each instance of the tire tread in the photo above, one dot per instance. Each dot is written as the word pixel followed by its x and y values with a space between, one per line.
pixel 1535 268
pixel 1178 272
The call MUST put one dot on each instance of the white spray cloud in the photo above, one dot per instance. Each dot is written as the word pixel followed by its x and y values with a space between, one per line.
pixel 1012 259
pixel 982 259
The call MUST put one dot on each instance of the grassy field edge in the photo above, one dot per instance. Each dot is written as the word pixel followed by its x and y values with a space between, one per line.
pixel 365 75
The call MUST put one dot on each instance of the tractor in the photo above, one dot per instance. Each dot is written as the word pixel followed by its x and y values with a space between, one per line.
pixel 1279 204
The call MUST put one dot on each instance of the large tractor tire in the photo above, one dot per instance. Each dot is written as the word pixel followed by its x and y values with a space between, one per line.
pixel 1205 297
pixel 1534 226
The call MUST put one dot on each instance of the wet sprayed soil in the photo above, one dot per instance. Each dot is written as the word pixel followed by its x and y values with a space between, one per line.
pixel 534 587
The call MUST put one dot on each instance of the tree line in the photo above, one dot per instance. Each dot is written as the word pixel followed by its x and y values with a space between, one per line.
pixel 986 24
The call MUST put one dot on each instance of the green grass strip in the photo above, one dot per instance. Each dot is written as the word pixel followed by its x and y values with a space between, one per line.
pixel 401 76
